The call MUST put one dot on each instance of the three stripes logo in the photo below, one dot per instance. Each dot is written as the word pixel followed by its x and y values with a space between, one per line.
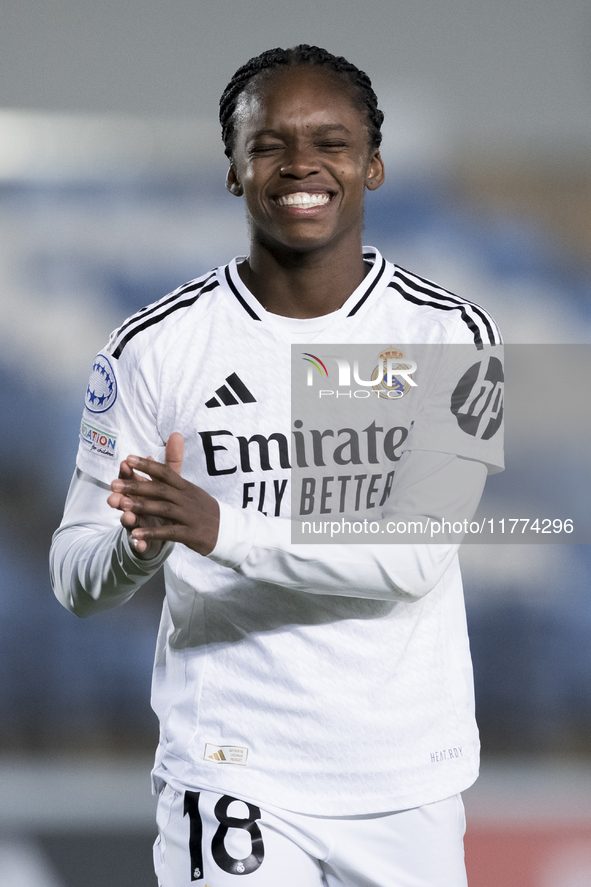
pixel 229 398
pixel 218 756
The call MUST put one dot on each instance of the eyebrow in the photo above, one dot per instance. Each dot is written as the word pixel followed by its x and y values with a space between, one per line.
pixel 323 129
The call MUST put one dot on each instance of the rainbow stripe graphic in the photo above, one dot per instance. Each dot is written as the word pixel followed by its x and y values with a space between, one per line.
pixel 315 361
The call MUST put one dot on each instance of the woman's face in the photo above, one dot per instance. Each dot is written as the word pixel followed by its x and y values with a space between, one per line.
pixel 302 160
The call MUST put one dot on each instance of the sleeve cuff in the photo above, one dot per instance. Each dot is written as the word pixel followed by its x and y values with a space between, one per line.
pixel 236 536
pixel 144 565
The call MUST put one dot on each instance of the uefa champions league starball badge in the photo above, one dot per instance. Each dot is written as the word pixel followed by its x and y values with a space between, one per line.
pixel 101 393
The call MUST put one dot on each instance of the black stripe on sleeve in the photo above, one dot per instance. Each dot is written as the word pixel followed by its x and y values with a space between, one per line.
pixel 437 293
pixel 180 291
pixel 473 327
pixel 189 287
pixel 156 318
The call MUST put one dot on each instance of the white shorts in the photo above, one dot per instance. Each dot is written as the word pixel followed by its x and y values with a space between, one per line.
pixel 210 840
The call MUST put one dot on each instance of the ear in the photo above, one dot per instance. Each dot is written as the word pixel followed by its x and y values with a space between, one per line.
pixel 375 172
pixel 232 183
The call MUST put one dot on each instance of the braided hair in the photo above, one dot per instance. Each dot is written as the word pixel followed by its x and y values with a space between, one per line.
pixel 362 92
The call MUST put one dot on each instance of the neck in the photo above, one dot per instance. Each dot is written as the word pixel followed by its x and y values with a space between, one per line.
pixel 304 284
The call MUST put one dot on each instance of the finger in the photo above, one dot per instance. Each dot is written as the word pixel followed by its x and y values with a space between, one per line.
pixel 170 533
pixel 173 455
pixel 125 470
pixel 128 519
pixel 138 545
pixel 162 533
pixel 143 491
pixel 162 509
pixel 129 485
pixel 157 471
pixel 117 500
pixel 114 500
pixel 140 477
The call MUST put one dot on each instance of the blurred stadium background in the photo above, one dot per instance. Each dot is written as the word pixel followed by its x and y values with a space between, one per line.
pixel 111 194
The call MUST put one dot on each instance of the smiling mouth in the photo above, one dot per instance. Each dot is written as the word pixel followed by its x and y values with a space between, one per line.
pixel 303 200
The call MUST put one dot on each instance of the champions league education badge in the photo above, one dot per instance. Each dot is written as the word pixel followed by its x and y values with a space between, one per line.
pixel 101 393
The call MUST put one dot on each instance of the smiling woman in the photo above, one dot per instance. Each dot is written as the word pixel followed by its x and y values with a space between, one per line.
pixel 303 140
pixel 315 701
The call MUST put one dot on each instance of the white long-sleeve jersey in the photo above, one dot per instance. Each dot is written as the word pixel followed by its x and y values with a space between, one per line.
pixel 328 679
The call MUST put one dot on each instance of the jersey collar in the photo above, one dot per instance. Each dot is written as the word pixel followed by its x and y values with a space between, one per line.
pixel 373 282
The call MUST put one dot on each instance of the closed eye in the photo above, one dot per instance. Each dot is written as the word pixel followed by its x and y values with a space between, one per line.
pixel 332 144
pixel 265 149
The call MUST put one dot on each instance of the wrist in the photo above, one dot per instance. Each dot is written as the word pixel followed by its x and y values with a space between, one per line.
pixel 153 549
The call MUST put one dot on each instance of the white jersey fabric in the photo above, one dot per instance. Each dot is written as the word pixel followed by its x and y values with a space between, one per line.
pixel 324 679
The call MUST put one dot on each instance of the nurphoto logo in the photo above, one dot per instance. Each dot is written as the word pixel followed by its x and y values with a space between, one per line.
pixel 391 378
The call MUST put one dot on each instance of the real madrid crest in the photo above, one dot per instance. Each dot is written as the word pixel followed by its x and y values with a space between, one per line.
pixel 392 357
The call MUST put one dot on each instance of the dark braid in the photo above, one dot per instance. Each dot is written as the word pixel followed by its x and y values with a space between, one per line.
pixel 303 54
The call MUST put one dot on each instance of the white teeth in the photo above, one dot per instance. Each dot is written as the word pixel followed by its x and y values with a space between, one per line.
pixel 303 200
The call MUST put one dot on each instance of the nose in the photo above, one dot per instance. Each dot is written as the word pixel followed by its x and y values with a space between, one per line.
pixel 299 163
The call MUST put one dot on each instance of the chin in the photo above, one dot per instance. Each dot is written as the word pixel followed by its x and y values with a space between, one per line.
pixel 291 243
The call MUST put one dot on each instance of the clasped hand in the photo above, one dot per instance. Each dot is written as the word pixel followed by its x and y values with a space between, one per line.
pixel 164 506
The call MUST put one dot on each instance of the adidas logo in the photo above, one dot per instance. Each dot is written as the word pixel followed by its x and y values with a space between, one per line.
pixel 226 397
pixel 217 756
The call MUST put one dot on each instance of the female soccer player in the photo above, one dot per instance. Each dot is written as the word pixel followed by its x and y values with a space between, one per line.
pixel 315 701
